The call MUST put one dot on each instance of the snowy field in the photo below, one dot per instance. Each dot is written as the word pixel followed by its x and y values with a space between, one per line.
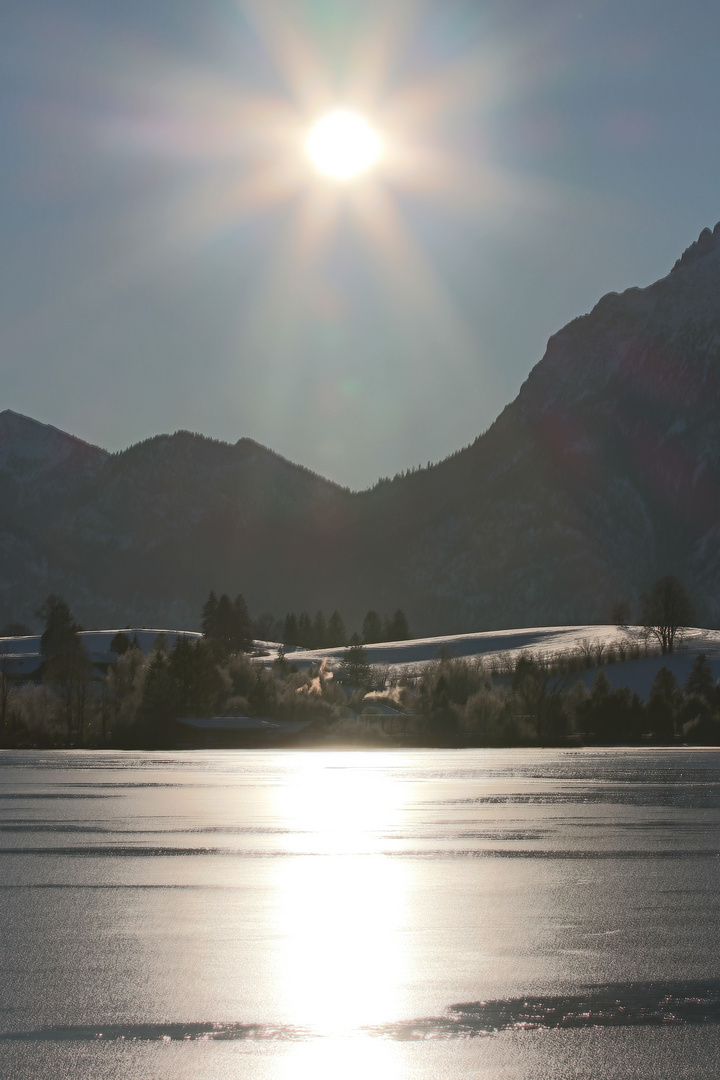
pixel 400 658
pixel 403 657
pixel 22 656
pixel 99 640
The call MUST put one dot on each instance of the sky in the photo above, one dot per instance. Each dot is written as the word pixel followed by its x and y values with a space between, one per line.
pixel 171 260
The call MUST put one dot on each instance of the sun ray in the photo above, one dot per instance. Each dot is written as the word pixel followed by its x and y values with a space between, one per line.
pixel 245 157
pixel 286 285
pixel 373 54
pixel 467 83
pixel 296 60
pixel 409 274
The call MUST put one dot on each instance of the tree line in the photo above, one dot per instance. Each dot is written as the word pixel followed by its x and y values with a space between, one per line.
pixel 314 633
pixel 537 700
pixel 137 699
pixel 527 700
pixel 228 626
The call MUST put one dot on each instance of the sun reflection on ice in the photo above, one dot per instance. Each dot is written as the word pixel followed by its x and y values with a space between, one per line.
pixel 342 906
pixel 340 804
pixel 344 1059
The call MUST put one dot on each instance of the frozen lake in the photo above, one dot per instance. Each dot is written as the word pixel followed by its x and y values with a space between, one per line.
pixel 513 914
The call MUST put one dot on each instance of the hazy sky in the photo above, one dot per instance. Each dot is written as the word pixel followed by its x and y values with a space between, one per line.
pixel 170 260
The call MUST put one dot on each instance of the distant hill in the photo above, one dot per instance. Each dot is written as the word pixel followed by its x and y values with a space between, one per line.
pixel 127 536
pixel 603 474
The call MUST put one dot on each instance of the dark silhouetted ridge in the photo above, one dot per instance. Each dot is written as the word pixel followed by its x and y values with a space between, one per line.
pixel 601 476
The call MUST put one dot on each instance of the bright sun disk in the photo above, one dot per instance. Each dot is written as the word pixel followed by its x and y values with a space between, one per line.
pixel 342 145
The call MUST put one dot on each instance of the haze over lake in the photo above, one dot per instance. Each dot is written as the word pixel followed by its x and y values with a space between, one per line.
pixel 394 914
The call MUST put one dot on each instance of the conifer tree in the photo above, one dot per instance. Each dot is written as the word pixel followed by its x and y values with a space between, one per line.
pixel 120 643
pixel 319 634
pixel 336 630
pixel 372 628
pixel 356 670
pixel 61 630
pixel 266 627
pixel 66 663
pixel 290 629
pixel 397 628
pixel 700 681
pixel 305 630
pixel 242 626
pixel 664 703
pixel 226 624
pixel 209 612
pixel 223 635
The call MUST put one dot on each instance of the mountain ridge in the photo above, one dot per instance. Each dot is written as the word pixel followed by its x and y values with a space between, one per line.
pixel 603 473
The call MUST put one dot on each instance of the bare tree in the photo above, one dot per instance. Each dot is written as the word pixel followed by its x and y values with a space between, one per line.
pixel 621 613
pixel 666 611
pixel 539 688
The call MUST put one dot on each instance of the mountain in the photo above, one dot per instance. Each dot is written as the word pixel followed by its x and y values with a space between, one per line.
pixel 603 474
pixel 35 458
pixel 41 468
pixel 127 537
pixel 600 476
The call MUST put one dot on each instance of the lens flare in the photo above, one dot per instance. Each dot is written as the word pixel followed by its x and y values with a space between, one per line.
pixel 343 145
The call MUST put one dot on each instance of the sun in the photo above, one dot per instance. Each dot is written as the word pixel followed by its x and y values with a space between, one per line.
pixel 343 145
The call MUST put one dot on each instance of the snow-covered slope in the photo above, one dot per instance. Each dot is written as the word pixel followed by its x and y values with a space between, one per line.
pixel 493 647
pixel 98 641
pixel 22 656
pixel 495 644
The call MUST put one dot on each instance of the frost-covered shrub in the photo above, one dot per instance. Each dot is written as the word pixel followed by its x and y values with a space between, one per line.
pixel 486 715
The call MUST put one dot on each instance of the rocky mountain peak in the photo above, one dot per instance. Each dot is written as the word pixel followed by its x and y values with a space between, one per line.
pixel 707 242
